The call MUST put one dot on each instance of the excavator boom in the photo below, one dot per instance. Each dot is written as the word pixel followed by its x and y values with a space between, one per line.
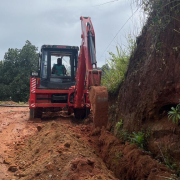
pixel 88 77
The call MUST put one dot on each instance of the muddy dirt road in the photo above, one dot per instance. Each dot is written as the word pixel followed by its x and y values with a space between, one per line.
pixel 45 149
pixel 14 127
pixel 60 148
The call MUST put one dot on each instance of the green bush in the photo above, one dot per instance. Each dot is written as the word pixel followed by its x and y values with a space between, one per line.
pixel 174 114
pixel 120 132
pixel 116 74
pixel 138 138
pixel 117 66
pixel 119 125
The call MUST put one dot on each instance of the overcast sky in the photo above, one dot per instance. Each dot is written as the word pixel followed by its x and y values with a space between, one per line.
pixel 58 22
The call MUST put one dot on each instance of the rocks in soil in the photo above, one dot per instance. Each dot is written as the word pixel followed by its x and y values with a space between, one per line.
pixel 39 127
pixel 50 166
pixel 20 174
pixel 7 161
pixel 67 144
pixel 13 168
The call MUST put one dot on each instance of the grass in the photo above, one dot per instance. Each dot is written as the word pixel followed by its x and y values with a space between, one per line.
pixel 117 66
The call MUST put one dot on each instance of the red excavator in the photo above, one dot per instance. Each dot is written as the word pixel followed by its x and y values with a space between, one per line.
pixel 73 82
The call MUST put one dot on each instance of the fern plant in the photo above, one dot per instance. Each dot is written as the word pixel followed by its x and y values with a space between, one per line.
pixel 174 114
pixel 138 138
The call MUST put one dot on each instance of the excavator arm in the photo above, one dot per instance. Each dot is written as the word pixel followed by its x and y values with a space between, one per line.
pixel 88 77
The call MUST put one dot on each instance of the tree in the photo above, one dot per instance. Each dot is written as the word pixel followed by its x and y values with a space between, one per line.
pixel 15 72
pixel 105 68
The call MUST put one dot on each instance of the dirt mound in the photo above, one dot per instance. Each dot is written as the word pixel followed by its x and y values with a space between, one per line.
pixel 14 127
pixel 57 153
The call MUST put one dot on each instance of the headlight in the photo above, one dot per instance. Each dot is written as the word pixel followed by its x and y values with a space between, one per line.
pixel 34 74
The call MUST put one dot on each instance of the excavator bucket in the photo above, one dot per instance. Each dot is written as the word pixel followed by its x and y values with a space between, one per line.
pixel 99 104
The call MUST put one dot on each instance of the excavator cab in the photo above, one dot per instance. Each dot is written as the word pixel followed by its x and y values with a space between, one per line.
pixel 51 90
pixel 57 66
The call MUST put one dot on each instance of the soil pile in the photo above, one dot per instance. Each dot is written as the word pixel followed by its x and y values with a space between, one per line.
pixel 60 151
pixel 56 152
pixel 14 127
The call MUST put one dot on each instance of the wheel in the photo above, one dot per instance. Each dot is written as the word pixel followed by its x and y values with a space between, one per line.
pixel 81 113
pixel 31 113
pixel 35 113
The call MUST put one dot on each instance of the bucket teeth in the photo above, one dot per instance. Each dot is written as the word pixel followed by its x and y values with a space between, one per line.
pixel 99 104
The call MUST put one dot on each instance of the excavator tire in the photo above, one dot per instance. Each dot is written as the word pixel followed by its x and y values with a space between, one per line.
pixel 81 113
pixel 35 113
pixel 99 104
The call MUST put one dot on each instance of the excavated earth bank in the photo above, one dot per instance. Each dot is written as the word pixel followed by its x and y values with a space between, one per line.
pixel 152 84
pixel 68 150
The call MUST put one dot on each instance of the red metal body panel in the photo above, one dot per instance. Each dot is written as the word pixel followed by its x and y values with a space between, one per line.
pixel 46 94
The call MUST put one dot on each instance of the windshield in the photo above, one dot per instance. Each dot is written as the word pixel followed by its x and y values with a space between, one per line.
pixel 60 66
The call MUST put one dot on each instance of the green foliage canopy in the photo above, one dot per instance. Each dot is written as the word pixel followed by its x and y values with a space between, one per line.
pixel 15 72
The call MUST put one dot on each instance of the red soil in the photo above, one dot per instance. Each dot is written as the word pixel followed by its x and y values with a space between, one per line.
pixel 66 149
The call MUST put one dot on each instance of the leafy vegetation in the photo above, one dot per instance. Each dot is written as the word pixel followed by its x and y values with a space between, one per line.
pixel 120 132
pixel 115 70
pixel 174 114
pixel 138 138
pixel 168 160
pixel 162 12
pixel 119 124
pixel 15 72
